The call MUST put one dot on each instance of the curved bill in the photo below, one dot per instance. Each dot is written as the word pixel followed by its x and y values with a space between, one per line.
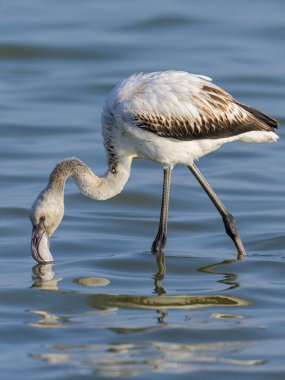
pixel 40 245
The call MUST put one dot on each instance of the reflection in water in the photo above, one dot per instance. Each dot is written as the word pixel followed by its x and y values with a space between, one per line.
pixel 43 272
pixel 91 281
pixel 162 316
pixel 43 277
pixel 125 359
pixel 117 360
pixel 158 288
pixel 226 316
pixel 159 276
pixel 48 321
pixel 105 301
pixel 55 358
pixel 230 278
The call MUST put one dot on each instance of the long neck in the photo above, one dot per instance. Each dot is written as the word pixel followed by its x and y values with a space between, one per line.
pixel 101 188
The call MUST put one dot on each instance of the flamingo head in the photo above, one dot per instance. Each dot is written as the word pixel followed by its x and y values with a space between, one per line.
pixel 46 214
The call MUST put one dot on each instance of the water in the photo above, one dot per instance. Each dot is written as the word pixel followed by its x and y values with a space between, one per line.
pixel 107 307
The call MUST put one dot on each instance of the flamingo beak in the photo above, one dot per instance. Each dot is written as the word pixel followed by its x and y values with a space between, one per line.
pixel 40 244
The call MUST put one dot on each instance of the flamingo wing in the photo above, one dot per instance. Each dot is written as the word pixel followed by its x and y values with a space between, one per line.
pixel 185 106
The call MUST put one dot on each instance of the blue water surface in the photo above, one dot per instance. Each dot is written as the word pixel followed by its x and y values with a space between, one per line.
pixel 108 307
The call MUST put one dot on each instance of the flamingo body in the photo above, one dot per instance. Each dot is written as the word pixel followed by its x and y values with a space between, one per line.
pixel 175 117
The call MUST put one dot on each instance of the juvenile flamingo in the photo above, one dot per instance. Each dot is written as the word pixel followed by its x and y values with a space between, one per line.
pixel 169 117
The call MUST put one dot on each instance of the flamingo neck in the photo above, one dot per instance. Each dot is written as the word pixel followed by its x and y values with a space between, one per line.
pixel 100 188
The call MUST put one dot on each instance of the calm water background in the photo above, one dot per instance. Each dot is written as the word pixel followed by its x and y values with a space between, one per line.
pixel 108 308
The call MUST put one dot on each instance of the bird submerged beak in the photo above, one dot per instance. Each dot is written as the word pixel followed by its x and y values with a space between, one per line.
pixel 40 245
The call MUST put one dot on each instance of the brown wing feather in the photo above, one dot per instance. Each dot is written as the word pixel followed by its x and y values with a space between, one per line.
pixel 220 115
pixel 260 115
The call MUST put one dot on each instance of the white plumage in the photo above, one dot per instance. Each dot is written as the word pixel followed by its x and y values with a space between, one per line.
pixel 168 117
pixel 175 98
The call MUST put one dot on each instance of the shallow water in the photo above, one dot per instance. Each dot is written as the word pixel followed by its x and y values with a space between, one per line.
pixel 107 307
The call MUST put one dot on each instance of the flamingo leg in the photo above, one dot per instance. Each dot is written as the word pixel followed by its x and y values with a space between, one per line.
pixel 228 219
pixel 161 237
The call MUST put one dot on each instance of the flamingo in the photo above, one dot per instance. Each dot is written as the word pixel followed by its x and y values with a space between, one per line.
pixel 169 117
